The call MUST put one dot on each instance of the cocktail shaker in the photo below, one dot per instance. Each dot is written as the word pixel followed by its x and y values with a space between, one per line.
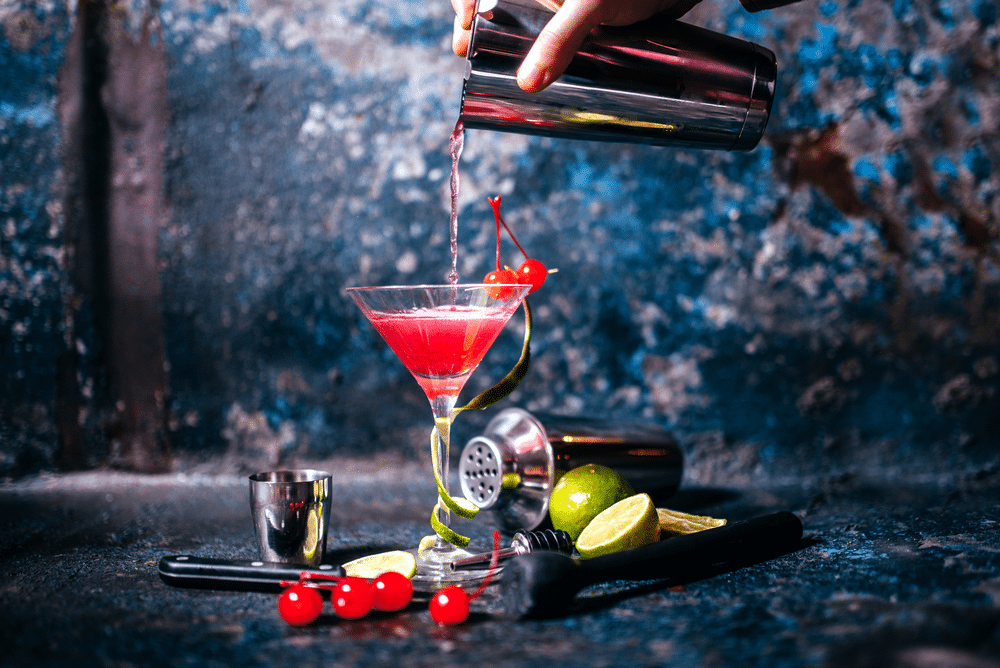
pixel 511 468
pixel 659 82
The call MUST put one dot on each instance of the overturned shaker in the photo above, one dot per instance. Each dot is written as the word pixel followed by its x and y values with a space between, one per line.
pixel 659 82
pixel 511 468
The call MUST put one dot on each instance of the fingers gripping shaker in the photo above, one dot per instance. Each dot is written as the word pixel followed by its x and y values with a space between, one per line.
pixel 512 467
pixel 658 82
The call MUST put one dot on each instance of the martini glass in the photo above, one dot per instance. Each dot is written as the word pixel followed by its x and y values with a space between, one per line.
pixel 440 333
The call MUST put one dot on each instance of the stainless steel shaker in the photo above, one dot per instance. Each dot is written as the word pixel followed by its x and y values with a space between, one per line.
pixel 659 82
pixel 511 468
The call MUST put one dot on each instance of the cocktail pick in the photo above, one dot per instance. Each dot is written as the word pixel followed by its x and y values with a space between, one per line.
pixel 543 584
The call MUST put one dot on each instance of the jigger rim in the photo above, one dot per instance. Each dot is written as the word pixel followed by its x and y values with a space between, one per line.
pixel 290 476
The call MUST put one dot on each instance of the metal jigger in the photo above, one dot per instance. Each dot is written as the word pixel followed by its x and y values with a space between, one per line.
pixel 511 469
pixel 291 515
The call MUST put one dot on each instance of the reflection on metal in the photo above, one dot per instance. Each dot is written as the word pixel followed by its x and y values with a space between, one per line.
pixel 659 82
pixel 512 467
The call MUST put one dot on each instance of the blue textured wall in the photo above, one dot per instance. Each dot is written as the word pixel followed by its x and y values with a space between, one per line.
pixel 32 270
pixel 825 304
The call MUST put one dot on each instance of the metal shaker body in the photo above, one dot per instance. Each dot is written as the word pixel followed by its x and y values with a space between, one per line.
pixel 658 82
pixel 512 468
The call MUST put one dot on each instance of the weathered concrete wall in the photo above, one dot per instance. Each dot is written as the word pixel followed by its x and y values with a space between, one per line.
pixel 33 279
pixel 826 304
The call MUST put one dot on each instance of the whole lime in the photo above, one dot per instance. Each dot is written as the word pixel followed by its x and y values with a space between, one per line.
pixel 583 493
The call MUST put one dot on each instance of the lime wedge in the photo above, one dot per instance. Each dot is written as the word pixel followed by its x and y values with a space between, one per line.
pixel 374 565
pixel 426 543
pixel 630 523
pixel 676 523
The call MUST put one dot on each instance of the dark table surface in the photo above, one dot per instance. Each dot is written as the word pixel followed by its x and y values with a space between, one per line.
pixel 893 573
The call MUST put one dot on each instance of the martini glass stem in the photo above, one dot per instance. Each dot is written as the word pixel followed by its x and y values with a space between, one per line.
pixel 442 407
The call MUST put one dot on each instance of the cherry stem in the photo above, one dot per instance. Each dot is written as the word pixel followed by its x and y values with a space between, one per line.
pixel 310 580
pixel 319 576
pixel 494 561
pixel 496 214
pixel 495 203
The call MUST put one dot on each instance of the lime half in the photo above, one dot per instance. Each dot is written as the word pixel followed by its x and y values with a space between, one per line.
pixel 630 523
pixel 374 565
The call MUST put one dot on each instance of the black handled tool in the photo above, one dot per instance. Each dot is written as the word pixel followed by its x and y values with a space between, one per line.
pixel 203 573
pixel 542 584
pixel 523 542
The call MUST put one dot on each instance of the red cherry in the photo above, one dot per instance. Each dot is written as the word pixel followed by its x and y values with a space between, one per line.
pixel 300 605
pixel 449 606
pixel 504 277
pixel 393 591
pixel 353 597
pixel 533 272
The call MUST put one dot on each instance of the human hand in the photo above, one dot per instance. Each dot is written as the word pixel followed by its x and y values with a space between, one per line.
pixel 561 38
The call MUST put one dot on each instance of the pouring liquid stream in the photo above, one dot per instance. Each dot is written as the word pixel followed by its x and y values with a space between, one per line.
pixel 455 145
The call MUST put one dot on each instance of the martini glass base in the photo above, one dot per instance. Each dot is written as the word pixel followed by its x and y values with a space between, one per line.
pixel 434 571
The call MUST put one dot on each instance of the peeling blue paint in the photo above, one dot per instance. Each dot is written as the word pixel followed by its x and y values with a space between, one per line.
pixel 899 166
pixel 36 115
pixel 822 48
pixel 945 166
pixel 986 12
pixel 978 163
pixel 866 169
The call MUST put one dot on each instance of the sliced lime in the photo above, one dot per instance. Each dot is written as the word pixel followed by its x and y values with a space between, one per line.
pixel 630 523
pixel 676 523
pixel 374 565
pixel 426 543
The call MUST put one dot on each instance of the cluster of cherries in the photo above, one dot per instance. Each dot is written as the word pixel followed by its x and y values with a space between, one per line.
pixel 354 597
pixel 531 272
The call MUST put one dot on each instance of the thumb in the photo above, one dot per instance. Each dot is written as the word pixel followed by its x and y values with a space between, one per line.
pixel 556 45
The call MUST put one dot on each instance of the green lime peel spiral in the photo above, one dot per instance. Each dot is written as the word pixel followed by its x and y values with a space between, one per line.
pixel 442 428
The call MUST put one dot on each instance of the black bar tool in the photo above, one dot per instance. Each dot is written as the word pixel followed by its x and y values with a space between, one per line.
pixel 204 573
pixel 524 542
pixel 542 584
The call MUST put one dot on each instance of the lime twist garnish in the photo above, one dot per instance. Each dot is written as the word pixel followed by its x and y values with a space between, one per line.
pixel 442 429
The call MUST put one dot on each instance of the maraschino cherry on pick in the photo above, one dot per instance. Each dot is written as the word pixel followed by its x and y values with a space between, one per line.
pixel 531 272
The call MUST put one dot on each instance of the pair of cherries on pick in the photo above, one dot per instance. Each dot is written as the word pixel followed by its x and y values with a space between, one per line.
pixel 531 272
